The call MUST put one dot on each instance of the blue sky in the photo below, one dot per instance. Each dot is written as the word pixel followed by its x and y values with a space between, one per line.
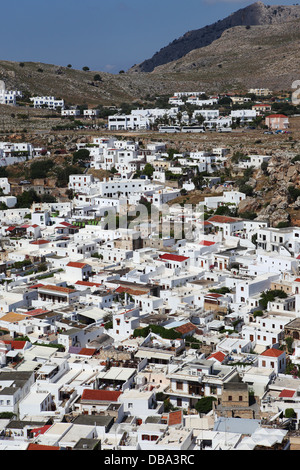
pixel 105 35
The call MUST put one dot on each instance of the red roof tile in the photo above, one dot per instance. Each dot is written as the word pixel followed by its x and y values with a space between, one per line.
pixel 276 116
pixel 206 243
pixel 73 264
pixel 36 311
pixel 15 344
pixel 186 328
pixel 100 395
pixel 214 294
pixel 41 430
pixel 40 242
pixel 272 352
pixel 88 284
pixel 87 351
pixel 58 288
pixel 170 257
pixel 222 219
pixel 217 355
pixel 287 393
pixel 41 447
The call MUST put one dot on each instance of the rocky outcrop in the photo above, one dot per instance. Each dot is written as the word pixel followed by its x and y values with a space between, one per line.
pixel 255 14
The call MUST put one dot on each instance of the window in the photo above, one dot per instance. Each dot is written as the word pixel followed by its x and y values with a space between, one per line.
pixel 179 386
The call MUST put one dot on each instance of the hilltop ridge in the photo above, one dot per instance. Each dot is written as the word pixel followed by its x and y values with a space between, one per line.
pixel 253 15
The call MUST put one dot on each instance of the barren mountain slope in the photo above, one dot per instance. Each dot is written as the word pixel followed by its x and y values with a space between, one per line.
pixel 254 14
pixel 261 56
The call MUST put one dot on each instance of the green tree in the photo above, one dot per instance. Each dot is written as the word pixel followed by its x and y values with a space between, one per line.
pixel 290 413
pixel 264 168
pixel 205 404
pixel 246 189
pixel 63 172
pixel 148 170
pixel 294 193
pixel 41 168
pixel 81 155
pixel 270 296
pixel 26 199
pixel 48 198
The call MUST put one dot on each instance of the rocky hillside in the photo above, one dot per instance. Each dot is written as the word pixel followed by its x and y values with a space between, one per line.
pixel 81 87
pixel 252 15
pixel 262 56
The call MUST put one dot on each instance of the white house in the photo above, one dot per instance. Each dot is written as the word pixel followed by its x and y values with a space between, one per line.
pixel 245 115
pixel 273 359
pixel 49 102
pixel 76 271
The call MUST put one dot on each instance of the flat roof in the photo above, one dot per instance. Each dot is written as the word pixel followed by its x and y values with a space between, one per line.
pixel 117 373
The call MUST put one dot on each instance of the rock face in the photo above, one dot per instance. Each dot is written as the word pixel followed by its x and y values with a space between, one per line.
pixel 254 14
pixel 275 202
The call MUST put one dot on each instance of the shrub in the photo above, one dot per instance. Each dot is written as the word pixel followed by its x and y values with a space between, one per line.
pixel 293 192
pixel 290 413
pixel 41 168
pixel 246 189
pixel 81 155
pixel 270 296
pixel 204 405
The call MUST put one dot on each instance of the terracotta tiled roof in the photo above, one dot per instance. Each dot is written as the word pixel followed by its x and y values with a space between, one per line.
pixel 40 242
pixel 15 344
pixel 217 355
pixel 287 393
pixel 170 257
pixel 73 264
pixel 41 447
pixel 58 288
pixel 100 395
pixel 186 328
pixel 36 311
pixel 276 116
pixel 206 243
pixel 88 284
pixel 272 352
pixel 41 430
pixel 222 219
pixel 213 294
pixel 87 351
